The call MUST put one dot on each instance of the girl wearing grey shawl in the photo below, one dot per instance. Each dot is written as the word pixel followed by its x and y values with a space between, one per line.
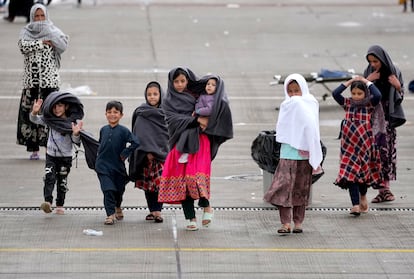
pixel 200 136
pixel 388 79
pixel 147 161
pixel 41 44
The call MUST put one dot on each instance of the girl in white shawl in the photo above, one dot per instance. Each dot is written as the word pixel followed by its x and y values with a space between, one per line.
pixel 41 44
pixel 297 130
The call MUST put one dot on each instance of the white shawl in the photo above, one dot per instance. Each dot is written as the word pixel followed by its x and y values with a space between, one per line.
pixel 298 121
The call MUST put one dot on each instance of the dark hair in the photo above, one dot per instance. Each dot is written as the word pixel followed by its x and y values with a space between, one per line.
pixel 153 84
pixel 114 104
pixel 360 85
pixel 178 72
pixel 293 81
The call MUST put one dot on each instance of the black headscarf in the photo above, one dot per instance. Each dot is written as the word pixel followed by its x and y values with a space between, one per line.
pixel 395 113
pixel 179 107
pixel 73 112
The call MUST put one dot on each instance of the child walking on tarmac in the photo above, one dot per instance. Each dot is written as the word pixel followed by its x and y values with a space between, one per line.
pixel 360 165
pixel 110 161
pixel 60 113
pixel 147 162
pixel 203 107
pixel 297 130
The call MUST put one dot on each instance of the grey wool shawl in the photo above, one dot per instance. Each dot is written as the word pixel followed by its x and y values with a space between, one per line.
pixel 179 107
pixel 395 112
pixel 149 125
pixel 73 113
pixel 45 30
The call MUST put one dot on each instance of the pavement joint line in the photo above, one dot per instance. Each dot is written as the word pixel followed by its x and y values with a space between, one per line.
pixel 100 208
pixel 211 249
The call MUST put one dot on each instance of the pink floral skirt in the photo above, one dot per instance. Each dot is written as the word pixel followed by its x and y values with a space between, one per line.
pixel 189 179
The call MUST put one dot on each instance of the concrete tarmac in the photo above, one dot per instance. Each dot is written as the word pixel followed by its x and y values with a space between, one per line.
pixel 115 48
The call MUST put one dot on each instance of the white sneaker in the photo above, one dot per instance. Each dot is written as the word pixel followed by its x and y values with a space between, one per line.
pixel 183 158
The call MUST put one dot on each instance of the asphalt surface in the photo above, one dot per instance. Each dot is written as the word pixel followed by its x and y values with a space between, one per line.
pixel 116 47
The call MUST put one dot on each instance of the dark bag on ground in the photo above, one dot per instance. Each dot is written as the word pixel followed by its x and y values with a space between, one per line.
pixel 265 151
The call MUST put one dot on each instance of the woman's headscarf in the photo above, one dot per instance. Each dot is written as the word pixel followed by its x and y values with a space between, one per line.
pixel 45 30
pixel 298 121
pixel 395 112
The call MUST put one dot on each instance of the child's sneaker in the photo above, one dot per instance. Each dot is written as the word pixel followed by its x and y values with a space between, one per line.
pixel 46 207
pixel 60 210
pixel 34 156
pixel 183 158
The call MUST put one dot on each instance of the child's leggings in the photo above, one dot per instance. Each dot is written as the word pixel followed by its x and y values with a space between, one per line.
pixel 356 189
pixel 188 206
pixel 152 201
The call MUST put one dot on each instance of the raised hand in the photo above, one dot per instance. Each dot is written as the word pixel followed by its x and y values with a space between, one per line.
pixel 37 104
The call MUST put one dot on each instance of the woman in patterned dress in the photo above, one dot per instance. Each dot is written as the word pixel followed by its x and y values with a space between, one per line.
pixel 41 44
pixel 388 79
pixel 360 165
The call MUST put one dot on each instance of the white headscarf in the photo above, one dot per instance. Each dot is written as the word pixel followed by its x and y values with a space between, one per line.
pixel 298 121
pixel 45 30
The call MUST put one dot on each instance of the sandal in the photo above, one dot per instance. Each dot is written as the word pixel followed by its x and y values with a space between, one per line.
pixel 110 220
pixel 355 210
pixel 388 196
pixel 283 230
pixel 207 218
pixel 158 219
pixel 119 215
pixel 385 196
pixel 60 210
pixel 34 156
pixel 297 230
pixel 379 198
pixel 192 226
pixel 150 217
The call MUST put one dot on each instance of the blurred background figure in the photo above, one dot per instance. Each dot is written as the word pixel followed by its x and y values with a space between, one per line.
pixel 50 1
pixel 404 3
pixel 18 8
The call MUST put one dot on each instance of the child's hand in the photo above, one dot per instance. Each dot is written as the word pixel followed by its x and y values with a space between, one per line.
pixel 76 128
pixel 203 121
pixel 37 104
pixel 48 42
pixel 150 157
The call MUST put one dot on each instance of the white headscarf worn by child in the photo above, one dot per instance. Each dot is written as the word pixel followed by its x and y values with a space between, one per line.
pixel 298 121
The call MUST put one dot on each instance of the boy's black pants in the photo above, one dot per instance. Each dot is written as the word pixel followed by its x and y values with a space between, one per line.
pixel 56 172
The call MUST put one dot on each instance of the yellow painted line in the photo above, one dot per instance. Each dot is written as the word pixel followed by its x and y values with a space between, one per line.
pixel 247 250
